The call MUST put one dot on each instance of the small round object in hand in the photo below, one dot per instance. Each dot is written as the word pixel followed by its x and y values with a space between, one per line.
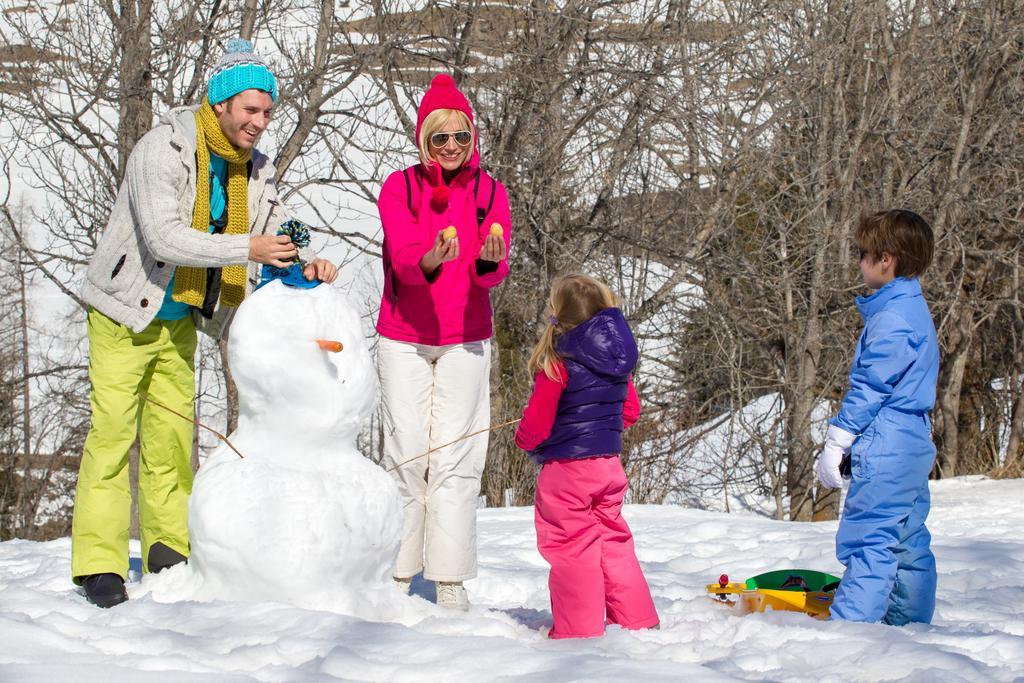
pixel 450 232
pixel 497 230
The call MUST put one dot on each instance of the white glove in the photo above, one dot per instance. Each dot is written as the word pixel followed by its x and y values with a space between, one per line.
pixel 837 443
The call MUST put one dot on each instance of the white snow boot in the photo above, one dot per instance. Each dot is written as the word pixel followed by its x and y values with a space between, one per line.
pixel 452 595
pixel 403 584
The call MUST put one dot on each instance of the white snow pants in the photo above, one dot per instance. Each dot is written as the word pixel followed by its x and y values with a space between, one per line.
pixel 433 395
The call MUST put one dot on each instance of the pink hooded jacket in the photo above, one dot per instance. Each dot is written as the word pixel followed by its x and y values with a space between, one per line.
pixel 454 306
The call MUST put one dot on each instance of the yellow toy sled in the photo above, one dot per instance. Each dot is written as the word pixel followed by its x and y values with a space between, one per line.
pixel 790 590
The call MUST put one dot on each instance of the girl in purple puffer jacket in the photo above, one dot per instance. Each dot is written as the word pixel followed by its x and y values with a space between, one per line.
pixel 583 397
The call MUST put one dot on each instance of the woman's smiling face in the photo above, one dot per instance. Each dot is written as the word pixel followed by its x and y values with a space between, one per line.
pixel 451 155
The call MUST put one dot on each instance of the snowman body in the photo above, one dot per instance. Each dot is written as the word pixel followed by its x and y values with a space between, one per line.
pixel 303 517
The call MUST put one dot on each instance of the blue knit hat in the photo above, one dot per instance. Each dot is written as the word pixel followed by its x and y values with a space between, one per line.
pixel 240 69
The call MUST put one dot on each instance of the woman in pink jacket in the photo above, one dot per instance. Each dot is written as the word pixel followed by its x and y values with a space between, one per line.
pixel 446 240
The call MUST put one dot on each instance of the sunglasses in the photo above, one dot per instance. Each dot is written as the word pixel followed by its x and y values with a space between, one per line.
pixel 462 138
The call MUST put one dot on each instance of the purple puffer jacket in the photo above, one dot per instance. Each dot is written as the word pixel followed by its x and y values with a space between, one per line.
pixel 599 356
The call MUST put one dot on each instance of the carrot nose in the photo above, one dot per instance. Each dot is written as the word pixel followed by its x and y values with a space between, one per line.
pixel 330 345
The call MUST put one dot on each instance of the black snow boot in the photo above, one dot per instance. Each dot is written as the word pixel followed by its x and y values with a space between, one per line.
pixel 104 590
pixel 161 557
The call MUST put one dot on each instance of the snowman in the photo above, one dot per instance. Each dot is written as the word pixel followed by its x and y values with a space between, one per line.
pixel 297 515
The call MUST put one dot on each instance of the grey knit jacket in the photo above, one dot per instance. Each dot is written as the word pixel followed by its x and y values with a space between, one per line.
pixel 150 231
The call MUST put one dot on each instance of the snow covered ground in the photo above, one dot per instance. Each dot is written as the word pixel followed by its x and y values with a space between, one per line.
pixel 49 633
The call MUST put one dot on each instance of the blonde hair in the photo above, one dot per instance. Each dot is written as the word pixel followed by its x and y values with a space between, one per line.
pixel 574 299
pixel 435 121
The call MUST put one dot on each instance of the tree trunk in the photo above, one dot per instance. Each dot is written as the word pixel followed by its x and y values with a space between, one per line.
pixel 136 87
pixel 826 505
pixel 947 432
pixel 1015 443
pixel 197 414
pixel 249 12
pixel 231 391
pixel 26 411
pixel 134 455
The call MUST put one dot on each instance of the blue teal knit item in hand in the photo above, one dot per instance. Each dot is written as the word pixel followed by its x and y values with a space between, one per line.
pixel 239 69
pixel 297 231
pixel 292 275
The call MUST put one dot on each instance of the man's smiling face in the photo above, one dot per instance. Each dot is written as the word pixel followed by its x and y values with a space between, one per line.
pixel 244 117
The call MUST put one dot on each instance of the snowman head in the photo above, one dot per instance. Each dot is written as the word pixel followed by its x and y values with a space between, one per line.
pixel 288 385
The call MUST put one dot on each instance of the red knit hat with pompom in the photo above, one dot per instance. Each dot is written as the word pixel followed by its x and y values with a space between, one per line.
pixel 442 94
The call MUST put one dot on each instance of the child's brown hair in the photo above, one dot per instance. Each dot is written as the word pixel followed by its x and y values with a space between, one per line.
pixel 903 234
pixel 574 299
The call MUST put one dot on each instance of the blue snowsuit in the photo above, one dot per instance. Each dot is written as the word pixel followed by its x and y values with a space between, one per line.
pixel 882 539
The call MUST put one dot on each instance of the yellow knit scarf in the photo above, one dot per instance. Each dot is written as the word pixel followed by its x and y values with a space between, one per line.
pixel 190 283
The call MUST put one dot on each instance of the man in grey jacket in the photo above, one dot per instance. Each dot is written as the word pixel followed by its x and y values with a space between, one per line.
pixel 197 211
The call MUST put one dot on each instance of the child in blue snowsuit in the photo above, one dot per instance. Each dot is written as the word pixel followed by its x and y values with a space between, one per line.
pixel 883 424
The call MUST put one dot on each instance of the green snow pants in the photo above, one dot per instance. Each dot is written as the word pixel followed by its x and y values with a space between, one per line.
pixel 159 362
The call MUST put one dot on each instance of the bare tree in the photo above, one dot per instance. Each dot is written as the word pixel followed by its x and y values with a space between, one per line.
pixel 708 159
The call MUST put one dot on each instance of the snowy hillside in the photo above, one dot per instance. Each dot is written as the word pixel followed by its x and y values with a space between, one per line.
pixel 49 633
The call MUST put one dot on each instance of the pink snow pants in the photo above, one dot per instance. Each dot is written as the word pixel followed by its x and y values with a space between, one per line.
pixel 582 535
